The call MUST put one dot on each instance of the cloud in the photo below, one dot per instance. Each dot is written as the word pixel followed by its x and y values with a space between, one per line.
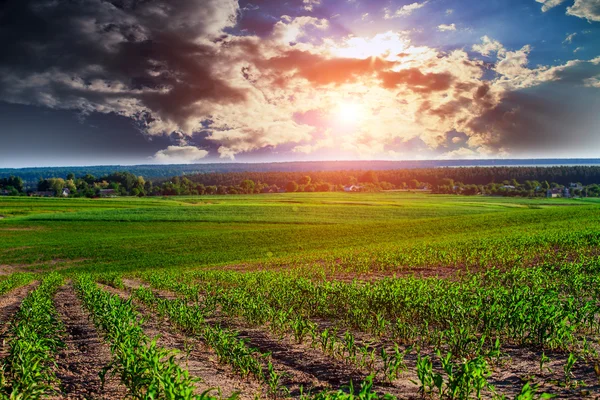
pixel 417 80
pixel 179 155
pixel 445 27
pixel 173 68
pixel 309 5
pixel 150 60
pixel 587 9
pixel 290 30
pixel 449 11
pixel 569 38
pixel 404 11
pixel 488 46
pixel 548 4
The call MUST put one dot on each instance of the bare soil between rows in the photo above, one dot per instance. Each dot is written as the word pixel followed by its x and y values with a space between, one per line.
pixel 194 356
pixel 80 362
pixel 517 366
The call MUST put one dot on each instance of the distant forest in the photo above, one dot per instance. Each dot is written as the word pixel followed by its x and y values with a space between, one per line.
pixel 31 176
pixel 562 175
pixel 526 181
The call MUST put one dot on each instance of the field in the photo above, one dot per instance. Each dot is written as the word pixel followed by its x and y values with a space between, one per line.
pixel 302 295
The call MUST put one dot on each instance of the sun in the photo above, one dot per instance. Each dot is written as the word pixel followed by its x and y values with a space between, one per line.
pixel 349 113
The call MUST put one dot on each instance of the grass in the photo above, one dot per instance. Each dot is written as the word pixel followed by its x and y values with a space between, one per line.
pixel 278 229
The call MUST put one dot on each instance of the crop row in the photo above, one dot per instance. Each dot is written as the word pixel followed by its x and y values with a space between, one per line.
pixel 230 349
pixel 460 377
pixel 234 302
pixel 34 340
pixel 14 280
pixel 148 371
pixel 549 306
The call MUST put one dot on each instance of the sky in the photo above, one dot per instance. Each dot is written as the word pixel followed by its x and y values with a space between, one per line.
pixel 89 82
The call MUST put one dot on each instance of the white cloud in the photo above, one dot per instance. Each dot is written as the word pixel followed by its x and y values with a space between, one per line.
pixel 445 27
pixel 593 82
pixel 290 29
pixel 449 11
pixel 488 46
pixel 587 9
pixel 364 16
pixel 569 38
pixel 309 5
pixel 179 155
pixel 404 11
pixel 548 4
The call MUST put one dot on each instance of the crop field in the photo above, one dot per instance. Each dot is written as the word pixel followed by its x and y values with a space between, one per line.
pixel 300 295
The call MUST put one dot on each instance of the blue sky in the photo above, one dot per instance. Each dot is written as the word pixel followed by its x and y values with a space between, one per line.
pixel 126 81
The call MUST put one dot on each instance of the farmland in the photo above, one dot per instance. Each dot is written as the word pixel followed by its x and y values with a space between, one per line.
pixel 406 295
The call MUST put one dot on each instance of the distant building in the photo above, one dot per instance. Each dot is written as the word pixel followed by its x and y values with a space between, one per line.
pixel 4 192
pixel 558 192
pixel 352 188
pixel 509 187
pixel 576 186
pixel 65 192
pixel 107 193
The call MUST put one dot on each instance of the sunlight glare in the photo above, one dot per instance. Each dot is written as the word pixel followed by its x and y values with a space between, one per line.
pixel 349 113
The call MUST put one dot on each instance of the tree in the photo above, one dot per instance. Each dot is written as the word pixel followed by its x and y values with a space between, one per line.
pixel 70 176
pixel 369 177
pixel 413 184
pixel 247 186
pixel 291 186
pixel 545 185
pixel 305 180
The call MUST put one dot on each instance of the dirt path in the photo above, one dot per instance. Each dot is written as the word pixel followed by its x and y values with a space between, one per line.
pixel 9 305
pixel 85 354
pixel 201 362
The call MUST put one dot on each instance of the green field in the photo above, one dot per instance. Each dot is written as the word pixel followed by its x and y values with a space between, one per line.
pixel 421 295
pixel 390 231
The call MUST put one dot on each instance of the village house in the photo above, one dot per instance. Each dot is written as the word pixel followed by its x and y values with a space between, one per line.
pixel 65 192
pixel 352 188
pixel 558 192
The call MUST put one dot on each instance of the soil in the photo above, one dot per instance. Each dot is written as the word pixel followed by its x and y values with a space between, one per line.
pixel 85 353
pixel 517 365
pixel 306 368
pixel 194 356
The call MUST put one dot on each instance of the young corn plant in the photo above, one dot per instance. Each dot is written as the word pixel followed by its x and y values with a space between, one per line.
pixel 148 371
pixel 34 339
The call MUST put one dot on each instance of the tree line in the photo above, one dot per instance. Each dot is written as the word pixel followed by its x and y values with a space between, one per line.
pixel 500 181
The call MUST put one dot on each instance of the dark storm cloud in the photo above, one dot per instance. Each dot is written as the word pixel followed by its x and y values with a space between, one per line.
pixel 130 57
pixel 549 119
